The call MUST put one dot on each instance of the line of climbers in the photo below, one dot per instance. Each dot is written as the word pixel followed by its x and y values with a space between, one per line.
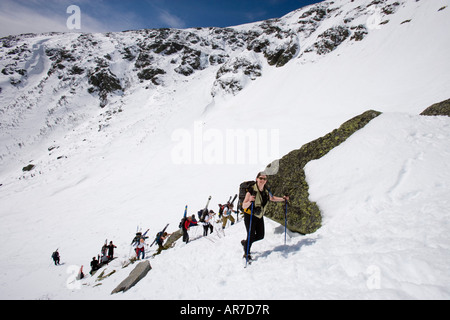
pixel 253 198
pixel 205 217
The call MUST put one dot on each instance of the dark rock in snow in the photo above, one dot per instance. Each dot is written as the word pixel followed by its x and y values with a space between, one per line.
pixel 438 109
pixel 28 168
pixel 330 40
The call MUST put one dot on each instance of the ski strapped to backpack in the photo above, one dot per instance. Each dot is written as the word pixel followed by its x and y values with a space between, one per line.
pixel 183 220
pixel 205 210
pixel 234 199
pixel 159 235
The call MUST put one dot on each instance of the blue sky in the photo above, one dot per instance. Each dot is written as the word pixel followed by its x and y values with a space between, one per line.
pixel 34 16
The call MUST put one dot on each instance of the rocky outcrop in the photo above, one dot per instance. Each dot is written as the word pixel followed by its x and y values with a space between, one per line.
pixel 135 276
pixel 438 109
pixel 234 74
pixel 104 82
pixel 304 216
pixel 330 40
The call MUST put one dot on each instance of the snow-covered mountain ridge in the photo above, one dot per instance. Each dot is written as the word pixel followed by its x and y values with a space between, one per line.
pixel 54 80
pixel 99 117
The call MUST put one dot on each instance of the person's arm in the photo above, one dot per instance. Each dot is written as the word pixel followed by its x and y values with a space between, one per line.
pixel 248 200
pixel 278 199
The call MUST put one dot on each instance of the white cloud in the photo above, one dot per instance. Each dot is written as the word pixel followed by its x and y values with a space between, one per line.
pixel 40 16
pixel 35 16
pixel 16 18
pixel 171 20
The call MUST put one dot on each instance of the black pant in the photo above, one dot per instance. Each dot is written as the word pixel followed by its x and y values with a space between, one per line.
pixel 185 235
pixel 205 229
pixel 257 231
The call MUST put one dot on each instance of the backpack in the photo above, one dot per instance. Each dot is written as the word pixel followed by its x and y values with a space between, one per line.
pixel 182 223
pixel 158 237
pixel 244 187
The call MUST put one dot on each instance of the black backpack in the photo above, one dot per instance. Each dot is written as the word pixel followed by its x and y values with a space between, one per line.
pixel 182 223
pixel 158 237
pixel 244 187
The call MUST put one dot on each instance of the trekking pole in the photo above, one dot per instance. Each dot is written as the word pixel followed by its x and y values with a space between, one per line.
pixel 248 238
pixel 285 220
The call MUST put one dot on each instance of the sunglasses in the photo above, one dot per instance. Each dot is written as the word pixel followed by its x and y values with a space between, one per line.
pixel 261 178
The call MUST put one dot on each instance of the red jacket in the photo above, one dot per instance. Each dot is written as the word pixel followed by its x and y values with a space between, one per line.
pixel 188 223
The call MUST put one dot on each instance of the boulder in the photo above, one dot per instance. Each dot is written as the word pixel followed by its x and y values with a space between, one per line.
pixel 173 237
pixel 135 276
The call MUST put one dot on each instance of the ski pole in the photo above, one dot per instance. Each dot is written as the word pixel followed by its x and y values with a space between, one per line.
pixel 248 238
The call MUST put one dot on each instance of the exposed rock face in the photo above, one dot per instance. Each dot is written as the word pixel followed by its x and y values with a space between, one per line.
pixel 438 109
pixel 330 40
pixel 65 76
pixel 303 215
pixel 113 62
pixel 135 276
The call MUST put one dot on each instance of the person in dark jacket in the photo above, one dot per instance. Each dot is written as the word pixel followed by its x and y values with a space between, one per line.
pixel 56 257
pixel 94 265
pixel 111 247
pixel 160 239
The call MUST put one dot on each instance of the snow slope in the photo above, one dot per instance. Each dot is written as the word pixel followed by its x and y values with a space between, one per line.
pixel 101 172
pixel 384 236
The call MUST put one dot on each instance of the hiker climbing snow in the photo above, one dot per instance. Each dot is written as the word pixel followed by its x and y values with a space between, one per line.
pixel 256 199
pixel 190 221
pixel 140 249
pixel 56 258
pixel 227 215
pixel 111 247
pixel 95 265
pixel 207 226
